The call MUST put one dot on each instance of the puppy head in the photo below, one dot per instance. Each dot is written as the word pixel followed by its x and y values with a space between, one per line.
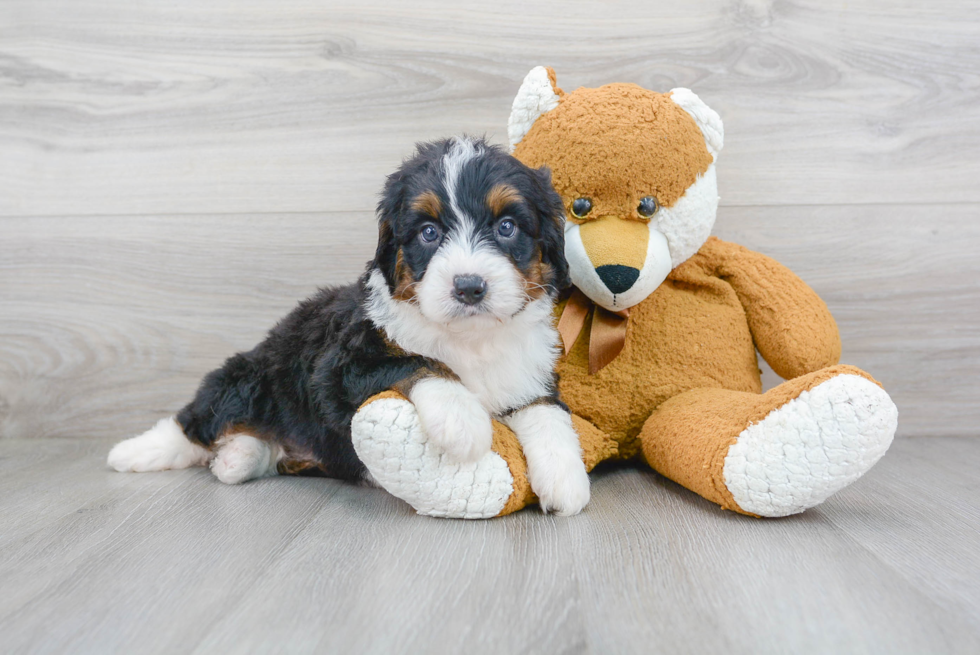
pixel 469 234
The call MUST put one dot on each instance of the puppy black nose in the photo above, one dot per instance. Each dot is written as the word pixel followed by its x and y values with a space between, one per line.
pixel 469 289
pixel 617 279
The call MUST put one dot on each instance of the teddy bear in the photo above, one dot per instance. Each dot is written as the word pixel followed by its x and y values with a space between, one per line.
pixel 661 330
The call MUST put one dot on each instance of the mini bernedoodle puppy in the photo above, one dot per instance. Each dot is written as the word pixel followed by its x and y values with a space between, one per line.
pixel 455 311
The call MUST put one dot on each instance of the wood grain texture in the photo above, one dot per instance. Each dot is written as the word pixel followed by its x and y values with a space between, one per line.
pixel 175 176
pixel 123 107
pixel 177 562
pixel 110 322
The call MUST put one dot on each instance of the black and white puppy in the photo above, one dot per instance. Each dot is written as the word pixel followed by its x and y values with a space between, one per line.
pixel 455 311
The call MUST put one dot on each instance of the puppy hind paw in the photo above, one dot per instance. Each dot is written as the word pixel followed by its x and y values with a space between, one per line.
pixel 243 458
pixel 160 448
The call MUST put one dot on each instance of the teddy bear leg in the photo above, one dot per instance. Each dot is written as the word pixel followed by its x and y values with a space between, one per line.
pixel 777 453
pixel 389 440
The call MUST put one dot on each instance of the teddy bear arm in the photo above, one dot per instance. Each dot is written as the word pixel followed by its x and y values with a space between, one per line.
pixel 791 325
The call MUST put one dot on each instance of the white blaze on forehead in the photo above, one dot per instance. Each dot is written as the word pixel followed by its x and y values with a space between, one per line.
pixel 460 152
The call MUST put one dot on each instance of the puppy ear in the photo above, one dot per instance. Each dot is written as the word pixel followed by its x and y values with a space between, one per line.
pixel 539 93
pixel 551 213
pixel 707 118
pixel 389 209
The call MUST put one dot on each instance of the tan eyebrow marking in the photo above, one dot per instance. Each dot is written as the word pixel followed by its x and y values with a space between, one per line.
pixel 501 196
pixel 427 202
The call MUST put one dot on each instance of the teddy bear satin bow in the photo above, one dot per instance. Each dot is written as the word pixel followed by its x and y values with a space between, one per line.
pixel 606 336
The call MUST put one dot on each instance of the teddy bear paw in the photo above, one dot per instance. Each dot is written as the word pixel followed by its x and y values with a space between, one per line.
pixel 389 439
pixel 811 447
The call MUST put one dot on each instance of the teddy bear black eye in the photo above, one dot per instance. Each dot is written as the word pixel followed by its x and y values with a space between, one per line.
pixel 648 207
pixel 581 207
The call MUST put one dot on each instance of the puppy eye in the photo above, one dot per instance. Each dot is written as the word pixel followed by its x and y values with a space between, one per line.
pixel 648 207
pixel 507 228
pixel 581 207
pixel 429 233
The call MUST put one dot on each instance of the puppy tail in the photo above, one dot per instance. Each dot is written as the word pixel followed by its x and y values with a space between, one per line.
pixel 226 398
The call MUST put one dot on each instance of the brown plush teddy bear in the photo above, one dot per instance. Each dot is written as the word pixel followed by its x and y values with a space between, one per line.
pixel 660 331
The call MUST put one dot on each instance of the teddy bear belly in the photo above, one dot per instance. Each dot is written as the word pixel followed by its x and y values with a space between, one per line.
pixel 680 338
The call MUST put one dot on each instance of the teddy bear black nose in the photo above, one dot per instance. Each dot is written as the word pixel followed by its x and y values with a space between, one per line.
pixel 469 289
pixel 617 279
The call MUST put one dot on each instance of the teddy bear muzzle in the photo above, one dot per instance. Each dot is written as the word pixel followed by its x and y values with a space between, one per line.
pixel 617 249
pixel 616 261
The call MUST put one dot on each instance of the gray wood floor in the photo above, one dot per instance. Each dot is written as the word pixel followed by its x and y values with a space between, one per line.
pixel 175 175
pixel 93 561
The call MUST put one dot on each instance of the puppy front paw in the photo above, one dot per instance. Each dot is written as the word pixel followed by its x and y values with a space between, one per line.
pixel 453 419
pixel 559 480
pixel 554 458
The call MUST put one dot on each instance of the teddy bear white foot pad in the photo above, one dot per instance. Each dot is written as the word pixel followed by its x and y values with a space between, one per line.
pixel 390 441
pixel 811 447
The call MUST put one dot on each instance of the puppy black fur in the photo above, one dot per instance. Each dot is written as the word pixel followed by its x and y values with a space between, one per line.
pixel 303 384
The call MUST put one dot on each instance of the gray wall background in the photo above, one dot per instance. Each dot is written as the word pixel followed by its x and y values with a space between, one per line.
pixel 175 176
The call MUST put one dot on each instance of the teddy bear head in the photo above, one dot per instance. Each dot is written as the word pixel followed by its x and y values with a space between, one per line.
pixel 636 172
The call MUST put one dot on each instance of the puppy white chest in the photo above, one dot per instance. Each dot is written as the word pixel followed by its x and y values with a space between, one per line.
pixel 506 377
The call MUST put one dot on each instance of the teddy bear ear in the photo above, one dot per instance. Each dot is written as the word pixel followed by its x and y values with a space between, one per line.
pixel 707 118
pixel 539 94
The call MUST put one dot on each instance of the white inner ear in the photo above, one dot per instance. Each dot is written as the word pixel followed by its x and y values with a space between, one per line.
pixel 707 118
pixel 535 97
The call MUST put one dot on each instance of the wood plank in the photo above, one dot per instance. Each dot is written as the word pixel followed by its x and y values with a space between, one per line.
pixel 177 562
pixel 110 322
pixel 942 473
pixel 138 310
pixel 692 579
pixel 420 585
pixel 136 555
pixel 120 107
